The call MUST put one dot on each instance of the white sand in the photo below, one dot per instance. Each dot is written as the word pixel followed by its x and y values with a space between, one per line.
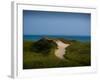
pixel 61 49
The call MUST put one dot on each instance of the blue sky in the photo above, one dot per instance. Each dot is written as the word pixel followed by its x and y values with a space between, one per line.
pixel 56 23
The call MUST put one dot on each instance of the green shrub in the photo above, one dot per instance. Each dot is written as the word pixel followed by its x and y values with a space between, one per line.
pixel 43 46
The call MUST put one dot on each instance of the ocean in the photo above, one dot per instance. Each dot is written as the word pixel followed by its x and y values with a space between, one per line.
pixel 37 37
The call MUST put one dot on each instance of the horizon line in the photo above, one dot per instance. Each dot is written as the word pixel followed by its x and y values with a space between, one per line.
pixel 53 35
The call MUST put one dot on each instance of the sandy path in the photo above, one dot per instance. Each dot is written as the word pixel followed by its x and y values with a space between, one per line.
pixel 61 49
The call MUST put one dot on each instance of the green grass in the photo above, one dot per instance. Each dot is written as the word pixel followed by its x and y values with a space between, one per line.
pixel 73 57
pixel 79 52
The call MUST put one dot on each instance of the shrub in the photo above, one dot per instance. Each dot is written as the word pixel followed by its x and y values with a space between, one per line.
pixel 43 46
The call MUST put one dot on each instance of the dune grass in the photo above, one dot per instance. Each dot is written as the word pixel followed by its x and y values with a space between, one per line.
pixel 75 56
pixel 79 52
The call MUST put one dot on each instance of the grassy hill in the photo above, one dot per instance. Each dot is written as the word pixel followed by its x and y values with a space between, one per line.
pixel 40 54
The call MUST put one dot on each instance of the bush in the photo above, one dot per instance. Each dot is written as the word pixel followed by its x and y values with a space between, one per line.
pixel 43 46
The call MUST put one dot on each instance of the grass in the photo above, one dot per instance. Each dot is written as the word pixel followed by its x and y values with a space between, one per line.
pixel 75 56
pixel 79 52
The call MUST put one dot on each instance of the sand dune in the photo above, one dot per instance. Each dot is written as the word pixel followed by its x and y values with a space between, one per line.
pixel 61 49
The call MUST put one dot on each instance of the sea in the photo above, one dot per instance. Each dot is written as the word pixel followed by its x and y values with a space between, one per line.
pixel 38 37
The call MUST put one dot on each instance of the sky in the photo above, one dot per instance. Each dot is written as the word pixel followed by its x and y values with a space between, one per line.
pixel 56 23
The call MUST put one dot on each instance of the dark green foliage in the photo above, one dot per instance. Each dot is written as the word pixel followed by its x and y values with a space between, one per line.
pixel 43 46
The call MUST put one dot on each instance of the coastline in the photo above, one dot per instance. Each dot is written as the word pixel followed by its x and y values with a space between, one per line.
pixel 68 37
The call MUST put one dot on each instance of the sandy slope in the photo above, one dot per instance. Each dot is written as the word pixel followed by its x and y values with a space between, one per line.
pixel 61 49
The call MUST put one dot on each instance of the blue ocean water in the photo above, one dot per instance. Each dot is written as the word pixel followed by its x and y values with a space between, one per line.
pixel 37 37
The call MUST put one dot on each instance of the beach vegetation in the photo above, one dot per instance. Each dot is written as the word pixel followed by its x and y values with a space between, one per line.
pixel 79 52
pixel 40 54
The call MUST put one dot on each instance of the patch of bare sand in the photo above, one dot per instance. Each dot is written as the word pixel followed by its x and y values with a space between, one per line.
pixel 61 49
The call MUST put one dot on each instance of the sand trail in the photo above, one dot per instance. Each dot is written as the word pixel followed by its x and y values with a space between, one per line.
pixel 61 49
